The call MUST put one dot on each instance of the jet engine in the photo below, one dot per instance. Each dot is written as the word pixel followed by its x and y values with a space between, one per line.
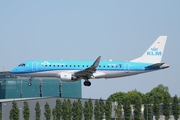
pixel 68 77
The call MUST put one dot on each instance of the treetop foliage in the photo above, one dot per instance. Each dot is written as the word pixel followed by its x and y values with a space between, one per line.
pixel 175 107
pixel 14 112
pixel 157 94
pixel 26 111
pixel 47 112
pixel 37 111
pixel 88 110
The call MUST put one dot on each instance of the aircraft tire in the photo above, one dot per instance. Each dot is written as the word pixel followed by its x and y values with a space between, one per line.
pixel 87 83
pixel 29 84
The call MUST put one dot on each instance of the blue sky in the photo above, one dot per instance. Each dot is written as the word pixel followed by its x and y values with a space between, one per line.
pixel 83 30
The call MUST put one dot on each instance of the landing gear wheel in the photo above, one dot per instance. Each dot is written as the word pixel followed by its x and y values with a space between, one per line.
pixel 87 83
pixel 30 81
pixel 29 84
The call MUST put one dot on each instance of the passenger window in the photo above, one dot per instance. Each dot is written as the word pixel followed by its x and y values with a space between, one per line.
pixel 66 65
pixel 58 65
pixel 61 65
pixel 104 66
pixel 54 65
pixel 120 65
pixel 83 66
pixel 99 66
pixel 49 65
pixel 70 66
pixel 46 65
pixel 78 65
pixel 87 66
pixel 74 65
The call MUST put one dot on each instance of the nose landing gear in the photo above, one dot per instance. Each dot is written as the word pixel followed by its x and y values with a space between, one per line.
pixel 29 84
pixel 30 81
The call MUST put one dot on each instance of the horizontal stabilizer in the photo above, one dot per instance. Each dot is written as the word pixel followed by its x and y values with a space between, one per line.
pixel 155 65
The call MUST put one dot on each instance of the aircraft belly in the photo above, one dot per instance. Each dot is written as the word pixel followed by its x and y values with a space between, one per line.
pixel 54 73
pixel 115 74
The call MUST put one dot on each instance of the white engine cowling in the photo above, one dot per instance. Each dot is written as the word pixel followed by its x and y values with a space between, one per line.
pixel 67 77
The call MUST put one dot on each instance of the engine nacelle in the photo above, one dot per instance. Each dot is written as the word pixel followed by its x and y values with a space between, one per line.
pixel 68 77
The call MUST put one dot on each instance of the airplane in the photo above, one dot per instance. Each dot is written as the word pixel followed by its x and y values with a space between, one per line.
pixel 72 71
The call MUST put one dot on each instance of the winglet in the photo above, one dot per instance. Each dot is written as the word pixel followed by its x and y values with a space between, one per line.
pixel 96 63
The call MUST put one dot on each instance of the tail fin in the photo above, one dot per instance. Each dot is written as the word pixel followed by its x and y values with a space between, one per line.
pixel 154 53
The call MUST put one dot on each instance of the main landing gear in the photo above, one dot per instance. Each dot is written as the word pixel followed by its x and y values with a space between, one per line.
pixel 87 83
pixel 30 81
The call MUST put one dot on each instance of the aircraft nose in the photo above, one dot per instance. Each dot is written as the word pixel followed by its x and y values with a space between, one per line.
pixel 13 70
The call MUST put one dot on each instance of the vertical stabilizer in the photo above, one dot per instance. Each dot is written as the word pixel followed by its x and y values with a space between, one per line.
pixel 154 53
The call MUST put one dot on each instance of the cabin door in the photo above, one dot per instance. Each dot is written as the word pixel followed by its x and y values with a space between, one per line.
pixel 35 66
pixel 126 67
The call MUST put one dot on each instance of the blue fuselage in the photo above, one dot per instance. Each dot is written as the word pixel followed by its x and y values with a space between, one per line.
pixel 51 68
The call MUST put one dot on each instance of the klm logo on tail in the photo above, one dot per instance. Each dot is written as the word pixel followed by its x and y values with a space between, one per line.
pixel 154 52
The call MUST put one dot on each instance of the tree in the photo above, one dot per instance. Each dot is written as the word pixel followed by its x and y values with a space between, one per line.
pixel 101 108
pixel 108 109
pixel 14 112
pixel 148 101
pixel 26 111
pixel 127 108
pixel 66 110
pixel 88 110
pixel 0 115
pixel 137 107
pixel 47 112
pixel 118 96
pixel 132 96
pixel 77 110
pixel 54 114
pixel 37 111
pixel 145 112
pixel 118 111
pixel 97 111
pixel 175 107
pixel 156 106
pixel 58 109
pixel 159 92
pixel 80 109
pixel 148 112
pixel 91 108
pixel 166 106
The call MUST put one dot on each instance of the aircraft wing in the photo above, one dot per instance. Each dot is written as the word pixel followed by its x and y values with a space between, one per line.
pixel 88 72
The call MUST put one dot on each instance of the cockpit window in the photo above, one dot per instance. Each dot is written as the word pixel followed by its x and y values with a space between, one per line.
pixel 22 64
